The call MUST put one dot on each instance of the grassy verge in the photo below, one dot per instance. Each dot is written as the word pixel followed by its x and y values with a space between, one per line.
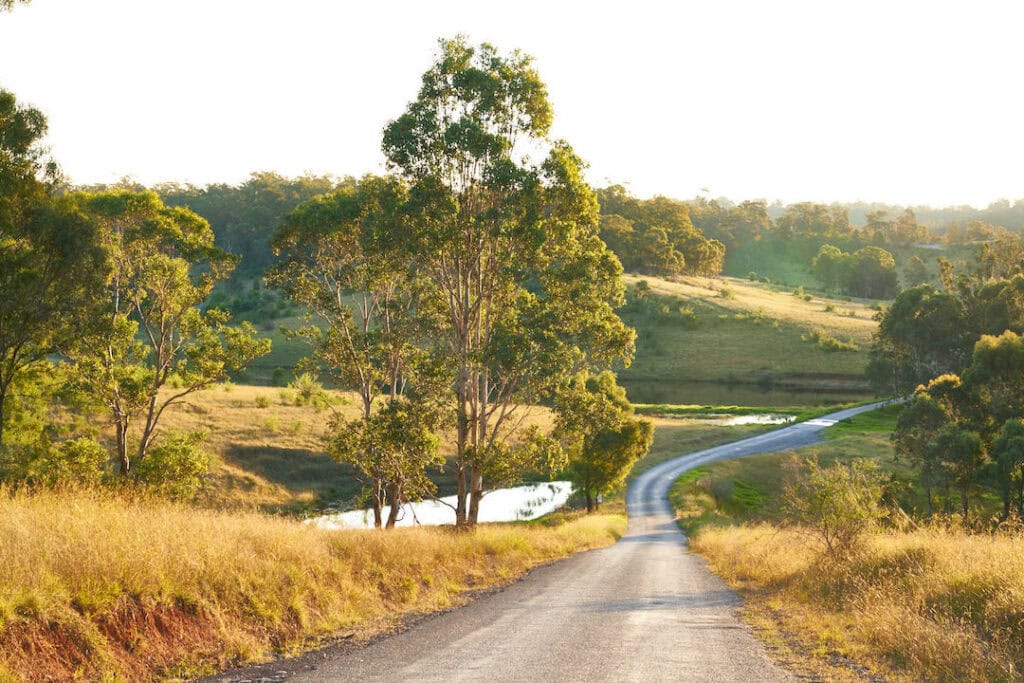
pixel 98 587
pixel 918 603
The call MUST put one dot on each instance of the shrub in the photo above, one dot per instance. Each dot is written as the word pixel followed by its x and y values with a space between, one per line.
pixel 309 391
pixel 80 461
pixel 726 293
pixel 176 468
pixel 830 308
pixel 262 402
pixel 823 341
pixel 838 504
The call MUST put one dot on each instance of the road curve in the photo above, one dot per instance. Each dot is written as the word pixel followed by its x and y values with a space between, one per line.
pixel 643 609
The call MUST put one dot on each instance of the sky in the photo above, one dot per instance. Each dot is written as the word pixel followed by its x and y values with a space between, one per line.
pixel 899 102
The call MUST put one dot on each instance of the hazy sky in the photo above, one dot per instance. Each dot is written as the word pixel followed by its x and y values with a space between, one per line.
pixel 903 102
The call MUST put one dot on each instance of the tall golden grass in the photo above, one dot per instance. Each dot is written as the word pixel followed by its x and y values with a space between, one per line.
pixel 96 586
pixel 933 604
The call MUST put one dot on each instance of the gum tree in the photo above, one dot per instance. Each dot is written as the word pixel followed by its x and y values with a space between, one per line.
pixel 148 324
pixel 342 259
pixel 505 229
pixel 49 260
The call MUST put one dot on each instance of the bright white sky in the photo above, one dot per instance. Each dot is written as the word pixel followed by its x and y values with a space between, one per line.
pixel 903 102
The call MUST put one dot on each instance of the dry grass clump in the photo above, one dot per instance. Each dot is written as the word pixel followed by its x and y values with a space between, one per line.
pixel 98 586
pixel 932 604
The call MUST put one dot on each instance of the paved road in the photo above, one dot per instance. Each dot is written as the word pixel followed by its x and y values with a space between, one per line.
pixel 643 609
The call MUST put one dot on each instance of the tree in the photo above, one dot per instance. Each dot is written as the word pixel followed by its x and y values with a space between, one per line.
pixel 49 259
pixel 1008 452
pixel 872 273
pixel 148 326
pixel 914 438
pixel 599 433
pixel 526 287
pixel 393 447
pixel 920 336
pixel 916 272
pixel 963 452
pixel 830 267
pixel 838 503
pixel 344 260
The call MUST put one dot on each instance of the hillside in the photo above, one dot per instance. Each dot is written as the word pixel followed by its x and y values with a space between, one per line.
pixel 733 341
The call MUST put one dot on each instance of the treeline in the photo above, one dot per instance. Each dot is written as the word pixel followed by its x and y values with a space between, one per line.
pixel 452 297
pixel 656 235
pixel 958 349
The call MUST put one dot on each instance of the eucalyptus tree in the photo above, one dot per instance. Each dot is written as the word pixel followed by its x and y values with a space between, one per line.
pixel 602 438
pixel 48 256
pixel 151 344
pixel 505 228
pixel 344 260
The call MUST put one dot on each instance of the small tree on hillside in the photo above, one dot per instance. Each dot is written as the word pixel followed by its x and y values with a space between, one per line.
pixel 600 435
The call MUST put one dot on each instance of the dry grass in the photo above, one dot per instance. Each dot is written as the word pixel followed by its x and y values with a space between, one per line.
pixel 932 604
pixel 97 587
pixel 777 305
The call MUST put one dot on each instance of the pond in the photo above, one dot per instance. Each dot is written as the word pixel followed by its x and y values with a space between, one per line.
pixel 501 505
pixel 716 394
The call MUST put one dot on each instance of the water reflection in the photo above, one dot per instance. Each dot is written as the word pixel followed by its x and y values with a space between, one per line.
pixel 501 505
pixel 711 393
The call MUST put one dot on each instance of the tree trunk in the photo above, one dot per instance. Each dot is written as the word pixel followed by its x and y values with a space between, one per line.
pixel 122 448
pixel 395 497
pixel 3 399
pixel 378 512
pixel 963 504
pixel 476 494
pixel 590 501
pixel 460 496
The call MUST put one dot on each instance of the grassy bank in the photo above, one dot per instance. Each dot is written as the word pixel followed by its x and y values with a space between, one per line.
pixel 98 587
pixel 917 603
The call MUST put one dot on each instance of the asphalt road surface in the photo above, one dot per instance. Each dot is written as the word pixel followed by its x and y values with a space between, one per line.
pixel 643 609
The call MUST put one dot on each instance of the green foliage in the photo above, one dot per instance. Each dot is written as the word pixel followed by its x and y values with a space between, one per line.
pixel 49 259
pixel 599 433
pixel 656 235
pixel 244 218
pixel 868 272
pixel 145 324
pixel 308 391
pixel 80 461
pixel 177 467
pixel 392 448
pixel 829 343
pixel 839 503
pixel 524 288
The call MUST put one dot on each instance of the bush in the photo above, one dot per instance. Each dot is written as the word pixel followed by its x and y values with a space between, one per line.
pixel 838 504
pixel 262 402
pixel 829 343
pixel 309 392
pixel 726 293
pixel 79 461
pixel 178 467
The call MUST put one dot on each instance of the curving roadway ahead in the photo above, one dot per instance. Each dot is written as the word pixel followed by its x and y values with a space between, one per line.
pixel 643 609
